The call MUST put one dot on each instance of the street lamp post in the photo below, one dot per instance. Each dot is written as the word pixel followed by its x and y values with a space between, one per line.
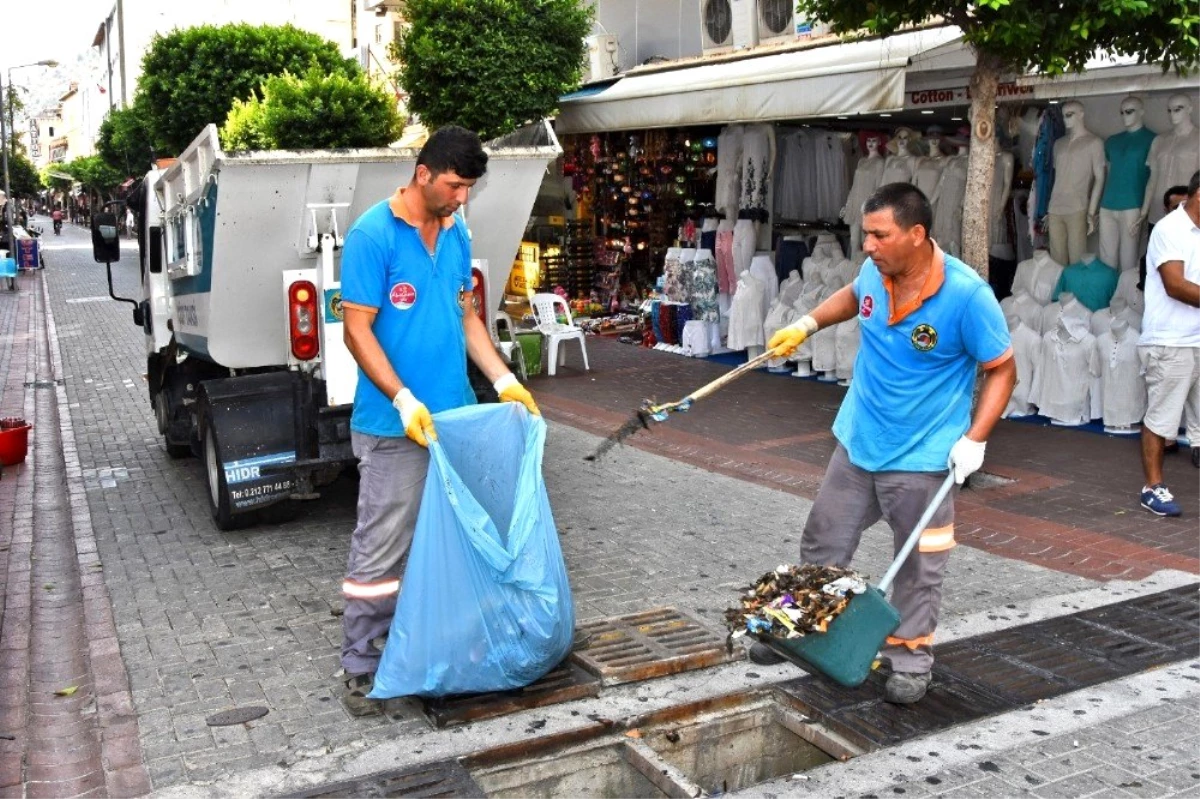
pixel 5 132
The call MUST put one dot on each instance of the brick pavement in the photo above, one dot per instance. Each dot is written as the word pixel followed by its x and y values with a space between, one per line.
pixel 1071 505
pixel 206 620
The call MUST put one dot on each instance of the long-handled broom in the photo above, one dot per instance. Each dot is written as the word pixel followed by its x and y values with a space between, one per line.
pixel 650 412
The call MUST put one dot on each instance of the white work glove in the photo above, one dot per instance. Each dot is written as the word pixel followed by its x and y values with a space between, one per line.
pixel 788 339
pixel 966 456
pixel 509 389
pixel 417 421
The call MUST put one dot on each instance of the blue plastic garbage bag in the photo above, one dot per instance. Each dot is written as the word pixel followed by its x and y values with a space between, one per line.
pixel 485 604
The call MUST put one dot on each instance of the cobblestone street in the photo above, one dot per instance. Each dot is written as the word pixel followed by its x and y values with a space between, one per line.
pixel 689 513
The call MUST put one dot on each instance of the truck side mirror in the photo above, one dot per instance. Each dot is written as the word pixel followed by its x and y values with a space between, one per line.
pixel 156 250
pixel 106 244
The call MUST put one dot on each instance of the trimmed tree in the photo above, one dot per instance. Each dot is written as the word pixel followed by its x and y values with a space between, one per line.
pixel 191 77
pixel 1017 36
pixel 24 178
pixel 313 111
pixel 124 142
pixel 490 65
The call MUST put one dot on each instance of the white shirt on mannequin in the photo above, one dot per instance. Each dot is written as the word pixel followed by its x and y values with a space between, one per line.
pixel 1174 157
pixel 1123 385
pixel 1061 384
pixel 1027 352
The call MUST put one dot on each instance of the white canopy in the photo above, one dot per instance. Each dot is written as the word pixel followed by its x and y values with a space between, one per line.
pixel 842 78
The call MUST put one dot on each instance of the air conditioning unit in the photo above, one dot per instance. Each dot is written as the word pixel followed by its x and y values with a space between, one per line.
pixel 602 57
pixel 776 21
pixel 728 25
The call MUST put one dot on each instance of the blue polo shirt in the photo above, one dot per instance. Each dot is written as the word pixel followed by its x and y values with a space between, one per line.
pixel 1093 283
pixel 1128 172
pixel 914 376
pixel 385 265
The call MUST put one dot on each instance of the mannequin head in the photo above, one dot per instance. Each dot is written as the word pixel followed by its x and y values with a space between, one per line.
pixel 1119 327
pixel 1132 111
pixel 902 141
pixel 872 146
pixel 1073 116
pixel 1179 111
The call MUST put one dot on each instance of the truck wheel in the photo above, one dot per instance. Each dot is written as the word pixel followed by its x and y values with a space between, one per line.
pixel 218 490
pixel 162 415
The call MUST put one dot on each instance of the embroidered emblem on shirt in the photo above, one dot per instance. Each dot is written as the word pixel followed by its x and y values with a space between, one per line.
pixel 867 308
pixel 924 337
pixel 403 296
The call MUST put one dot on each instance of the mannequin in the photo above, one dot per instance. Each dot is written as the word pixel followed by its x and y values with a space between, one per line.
pixel 1026 344
pixel 1039 275
pixel 746 316
pixel 745 234
pixel 782 314
pixel 824 342
pixel 726 274
pixel 1061 385
pixel 947 201
pixel 1117 309
pixel 1174 158
pixel 673 275
pixel 999 244
pixel 687 258
pixel 1078 184
pixel 1125 187
pixel 1067 304
pixel 702 288
pixel 867 178
pixel 758 158
pixel 1127 290
pixel 1091 281
pixel 901 165
pixel 763 268
pixel 1024 307
pixel 1123 386
pixel 847 337
pixel 929 168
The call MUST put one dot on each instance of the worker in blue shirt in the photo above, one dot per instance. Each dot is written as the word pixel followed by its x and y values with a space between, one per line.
pixel 406 295
pixel 928 321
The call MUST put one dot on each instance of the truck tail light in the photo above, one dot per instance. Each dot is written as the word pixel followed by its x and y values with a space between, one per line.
pixel 302 320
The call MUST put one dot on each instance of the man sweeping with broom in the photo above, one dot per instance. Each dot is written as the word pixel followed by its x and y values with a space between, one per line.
pixel 928 320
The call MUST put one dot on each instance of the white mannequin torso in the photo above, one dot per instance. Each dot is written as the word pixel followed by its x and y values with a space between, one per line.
pixel 1078 168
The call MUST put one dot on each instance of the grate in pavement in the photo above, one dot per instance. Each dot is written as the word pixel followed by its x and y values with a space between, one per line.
pixel 653 643
pixel 446 778
pixel 564 683
pixel 1000 671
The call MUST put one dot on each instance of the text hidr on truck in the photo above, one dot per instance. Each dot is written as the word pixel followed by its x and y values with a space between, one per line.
pixel 241 302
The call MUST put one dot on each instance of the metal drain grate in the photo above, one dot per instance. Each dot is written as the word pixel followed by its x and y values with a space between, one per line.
pixel 993 673
pixel 447 778
pixel 654 643
pixel 566 682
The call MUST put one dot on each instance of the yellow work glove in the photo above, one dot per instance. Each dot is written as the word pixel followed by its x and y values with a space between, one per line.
pixel 510 390
pixel 788 339
pixel 417 421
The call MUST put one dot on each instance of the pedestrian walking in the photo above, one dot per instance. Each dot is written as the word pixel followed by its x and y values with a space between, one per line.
pixel 927 322
pixel 409 324
pixel 1170 345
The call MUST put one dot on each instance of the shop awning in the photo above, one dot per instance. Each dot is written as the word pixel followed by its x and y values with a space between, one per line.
pixel 842 78
pixel 1108 75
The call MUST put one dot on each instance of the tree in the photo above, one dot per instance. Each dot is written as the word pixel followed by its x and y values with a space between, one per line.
pixel 23 177
pixel 1020 36
pixel 490 65
pixel 313 111
pixel 191 77
pixel 124 142
pixel 94 174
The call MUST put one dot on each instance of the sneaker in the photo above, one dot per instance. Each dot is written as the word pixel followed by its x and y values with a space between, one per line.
pixel 904 688
pixel 354 695
pixel 1159 500
pixel 764 655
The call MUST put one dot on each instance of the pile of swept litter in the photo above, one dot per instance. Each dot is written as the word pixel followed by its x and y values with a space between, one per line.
pixel 793 601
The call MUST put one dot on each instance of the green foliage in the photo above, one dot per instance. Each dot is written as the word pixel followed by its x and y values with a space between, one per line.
pixel 191 77
pixel 124 141
pixel 23 177
pixel 94 173
pixel 1026 35
pixel 491 65
pixel 313 111
pixel 50 180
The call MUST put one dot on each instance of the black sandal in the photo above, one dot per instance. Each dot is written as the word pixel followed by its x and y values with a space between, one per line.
pixel 354 696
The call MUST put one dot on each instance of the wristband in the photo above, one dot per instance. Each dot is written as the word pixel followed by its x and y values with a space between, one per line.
pixel 505 382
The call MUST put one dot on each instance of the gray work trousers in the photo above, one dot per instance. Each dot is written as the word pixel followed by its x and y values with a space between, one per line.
pixel 851 500
pixel 391 480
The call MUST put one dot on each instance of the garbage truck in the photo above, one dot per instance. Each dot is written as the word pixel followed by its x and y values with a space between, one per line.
pixel 240 301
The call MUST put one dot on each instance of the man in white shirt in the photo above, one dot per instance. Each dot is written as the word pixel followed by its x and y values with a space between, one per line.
pixel 1170 343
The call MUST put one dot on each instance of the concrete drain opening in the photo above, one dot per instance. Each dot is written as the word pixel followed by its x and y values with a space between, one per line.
pixel 708 748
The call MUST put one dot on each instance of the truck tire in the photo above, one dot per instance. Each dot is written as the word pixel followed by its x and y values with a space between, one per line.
pixel 218 490
pixel 162 416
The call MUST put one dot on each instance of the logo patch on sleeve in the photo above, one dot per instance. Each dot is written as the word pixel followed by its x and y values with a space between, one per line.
pixel 403 296
pixel 924 337
pixel 867 308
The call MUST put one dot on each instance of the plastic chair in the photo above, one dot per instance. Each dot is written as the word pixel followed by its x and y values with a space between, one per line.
pixel 546 310
pixel 510 348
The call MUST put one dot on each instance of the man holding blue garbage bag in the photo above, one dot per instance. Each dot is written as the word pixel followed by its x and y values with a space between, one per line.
pixel 406 295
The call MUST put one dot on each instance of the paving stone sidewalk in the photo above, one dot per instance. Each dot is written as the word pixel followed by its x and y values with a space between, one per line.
pixel 207 620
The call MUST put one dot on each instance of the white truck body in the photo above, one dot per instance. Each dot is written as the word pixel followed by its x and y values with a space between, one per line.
pixel 224 237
